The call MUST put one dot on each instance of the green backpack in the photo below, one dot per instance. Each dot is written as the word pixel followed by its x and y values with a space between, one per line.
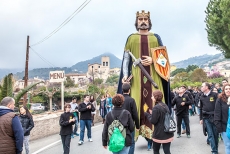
pixel 116 134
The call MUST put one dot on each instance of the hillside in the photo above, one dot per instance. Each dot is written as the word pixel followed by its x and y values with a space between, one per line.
pixel 83 66
pixel 201 61
pixel 80 67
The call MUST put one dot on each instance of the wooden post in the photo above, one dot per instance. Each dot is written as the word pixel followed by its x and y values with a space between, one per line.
pixel 26 70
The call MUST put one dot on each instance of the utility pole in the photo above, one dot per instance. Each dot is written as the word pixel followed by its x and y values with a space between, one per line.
pixel 93 74
pixel 26 70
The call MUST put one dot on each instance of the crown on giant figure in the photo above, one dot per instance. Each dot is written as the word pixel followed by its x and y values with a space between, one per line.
pixel 143 14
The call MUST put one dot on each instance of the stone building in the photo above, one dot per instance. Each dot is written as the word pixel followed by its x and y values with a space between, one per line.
pixel 101 71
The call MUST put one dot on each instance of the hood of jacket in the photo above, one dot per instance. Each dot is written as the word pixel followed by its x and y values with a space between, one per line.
pixel 4 110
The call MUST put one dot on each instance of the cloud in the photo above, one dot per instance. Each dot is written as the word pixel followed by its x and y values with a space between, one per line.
pixel 102 26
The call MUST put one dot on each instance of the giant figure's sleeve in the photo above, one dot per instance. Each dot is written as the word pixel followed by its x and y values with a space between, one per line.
pixel 127 68
pixel 126 63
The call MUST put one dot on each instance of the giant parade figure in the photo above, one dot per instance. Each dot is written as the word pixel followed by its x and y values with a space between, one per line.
pixel 150 70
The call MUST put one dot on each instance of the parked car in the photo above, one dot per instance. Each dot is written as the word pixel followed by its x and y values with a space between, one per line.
pixel 55 107
pixel 37 106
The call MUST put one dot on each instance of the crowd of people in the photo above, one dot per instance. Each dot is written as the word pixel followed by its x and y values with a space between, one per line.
pixel 210 103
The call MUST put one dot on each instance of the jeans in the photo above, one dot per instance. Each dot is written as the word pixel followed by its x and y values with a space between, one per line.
pixel 125 150
pixel 172 112
pixel 26 143
pixel 226 142
pixel 108 109
pixel 132 147
pixel 198 110
pixel 212 134
pixel 66 143
pixel 75 126
pixel 166 147
pixel 183 124
pixel 179 121
pixel 83 124
pixel 193 108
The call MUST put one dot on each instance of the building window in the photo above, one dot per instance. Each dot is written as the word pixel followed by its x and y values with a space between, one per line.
pixel 98 66
pixel 106 63
pixel 103 63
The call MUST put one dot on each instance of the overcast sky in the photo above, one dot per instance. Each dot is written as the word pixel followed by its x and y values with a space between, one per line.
pixel 102 26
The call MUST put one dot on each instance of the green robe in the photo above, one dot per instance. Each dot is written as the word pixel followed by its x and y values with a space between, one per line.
pixel 140 45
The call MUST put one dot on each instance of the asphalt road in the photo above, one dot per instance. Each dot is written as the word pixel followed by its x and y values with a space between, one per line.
pixel 194 145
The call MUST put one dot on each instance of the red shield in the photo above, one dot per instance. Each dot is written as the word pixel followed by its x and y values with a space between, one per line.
pixel 161 61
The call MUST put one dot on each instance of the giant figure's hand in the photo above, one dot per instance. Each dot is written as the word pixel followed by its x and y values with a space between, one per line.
pixel 124 79
pixel 147 60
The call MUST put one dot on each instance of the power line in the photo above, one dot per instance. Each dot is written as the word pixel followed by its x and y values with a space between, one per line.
pixel 42 58
pixel 78 10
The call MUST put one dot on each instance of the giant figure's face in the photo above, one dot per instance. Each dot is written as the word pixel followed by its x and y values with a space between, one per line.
pixel 143 22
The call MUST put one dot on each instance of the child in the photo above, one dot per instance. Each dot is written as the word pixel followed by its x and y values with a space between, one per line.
pixel 27 122
pixel 66 122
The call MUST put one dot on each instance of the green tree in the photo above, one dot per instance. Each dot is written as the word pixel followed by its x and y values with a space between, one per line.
pixel 92 89
pixel 7 89
pixel 98 81
pixel 39 99
pixel 180 77
pixel 4 88
pixel 69 82
pixel 178 70
pixel 191 68
pixel 218 25
pixel 198 75
pixel 113 79
pixel 23 91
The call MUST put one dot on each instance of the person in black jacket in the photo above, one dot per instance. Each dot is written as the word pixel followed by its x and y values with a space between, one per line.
pixel 156 117
pixel 66 121
pixel 27 122
pixel 207 107
pixel 85 108
pixel 182 102
pixel 221 115
pixel 126 121
pixel 130 105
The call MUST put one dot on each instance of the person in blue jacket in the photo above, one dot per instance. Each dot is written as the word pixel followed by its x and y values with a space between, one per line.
pixel 11 140
pixel 109 105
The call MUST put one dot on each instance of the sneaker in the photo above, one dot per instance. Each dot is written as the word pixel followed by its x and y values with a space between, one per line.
pixel 188 136
pixel 80 142
pixel 90 140
pixel 76 134
pixel 72 136
pixel 178 136
pixel 183 131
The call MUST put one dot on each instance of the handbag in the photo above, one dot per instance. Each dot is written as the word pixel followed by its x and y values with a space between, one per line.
pixel 228 124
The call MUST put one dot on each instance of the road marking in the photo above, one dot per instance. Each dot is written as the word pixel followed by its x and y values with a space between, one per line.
pixel 42 149
pixel 50 145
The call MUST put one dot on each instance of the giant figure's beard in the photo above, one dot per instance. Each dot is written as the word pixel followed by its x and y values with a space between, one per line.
pixel 143 26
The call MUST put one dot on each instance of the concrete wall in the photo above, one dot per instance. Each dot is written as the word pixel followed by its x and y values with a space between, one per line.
pixel 48 124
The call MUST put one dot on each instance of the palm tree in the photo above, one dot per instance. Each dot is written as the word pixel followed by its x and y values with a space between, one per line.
pixel 24 91
pixel 7 88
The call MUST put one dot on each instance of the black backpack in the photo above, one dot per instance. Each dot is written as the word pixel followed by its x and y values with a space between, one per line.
pixel 169 123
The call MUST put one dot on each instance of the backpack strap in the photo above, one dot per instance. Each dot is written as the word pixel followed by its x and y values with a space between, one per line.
pixel 119 116
pixel 164 108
